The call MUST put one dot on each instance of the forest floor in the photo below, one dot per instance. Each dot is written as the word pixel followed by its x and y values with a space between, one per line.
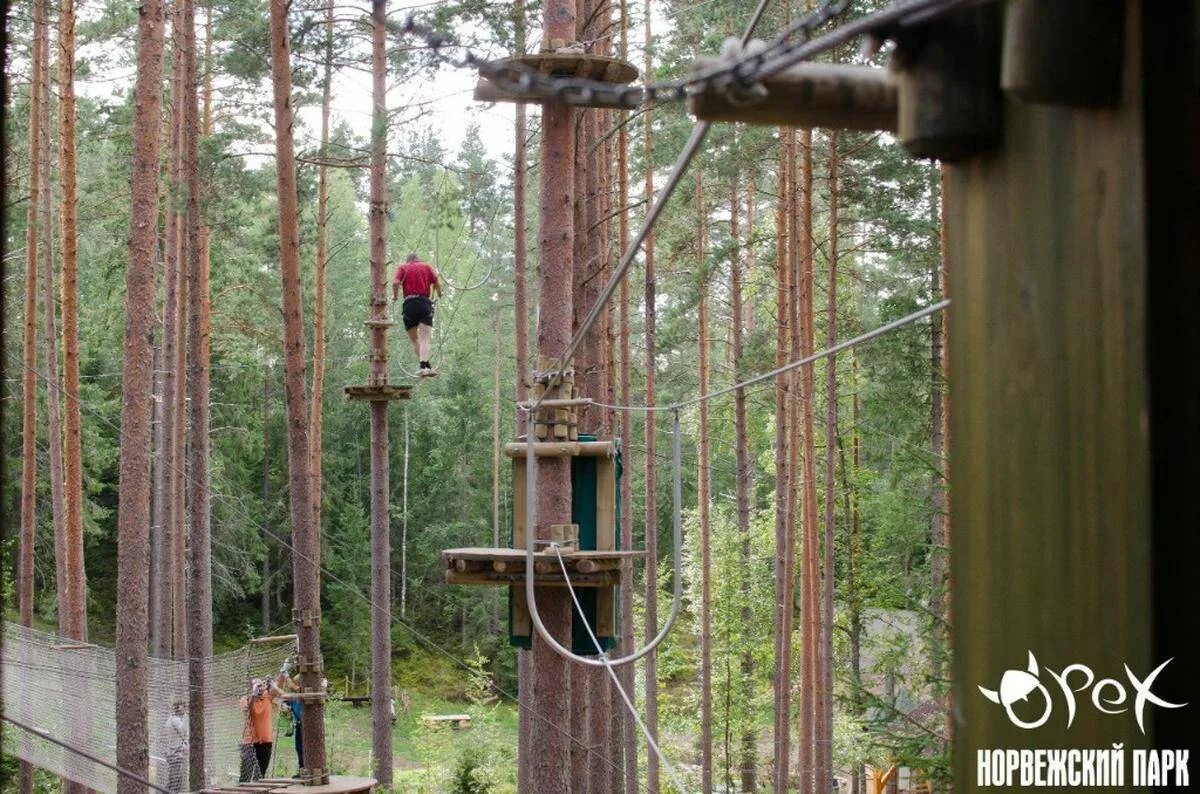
pixel 425 758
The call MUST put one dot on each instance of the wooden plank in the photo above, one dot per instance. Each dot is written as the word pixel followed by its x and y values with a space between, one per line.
pixel 519 518
pixel 337 785
pixel 1049 450
pixel 606 504
pixel 278 638
pixel 520 622
pixel 606 612
pixel 380 392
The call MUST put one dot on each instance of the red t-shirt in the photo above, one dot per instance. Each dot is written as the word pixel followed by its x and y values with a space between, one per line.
pixel 415 278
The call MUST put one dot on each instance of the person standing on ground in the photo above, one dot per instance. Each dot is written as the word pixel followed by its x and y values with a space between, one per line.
pixel 419 281
pixel 258 730
pixel 174 739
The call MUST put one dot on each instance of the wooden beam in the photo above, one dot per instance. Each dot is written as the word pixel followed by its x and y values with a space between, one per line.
pixel 838 96
pixel 273 639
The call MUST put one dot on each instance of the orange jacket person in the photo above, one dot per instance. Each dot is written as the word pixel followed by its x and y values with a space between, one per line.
pixel 419 280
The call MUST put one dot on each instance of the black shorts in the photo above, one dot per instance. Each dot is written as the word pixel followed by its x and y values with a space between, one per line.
pixel 417 309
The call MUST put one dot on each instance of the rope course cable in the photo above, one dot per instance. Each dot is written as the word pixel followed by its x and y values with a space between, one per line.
pixel 530 573
pixel 882 330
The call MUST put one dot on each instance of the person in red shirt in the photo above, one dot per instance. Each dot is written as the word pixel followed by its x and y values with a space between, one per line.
pixel 419 280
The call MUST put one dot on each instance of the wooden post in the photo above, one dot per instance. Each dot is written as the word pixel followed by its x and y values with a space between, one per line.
pixel 1070 436
pixel 381 548
pixel 551 711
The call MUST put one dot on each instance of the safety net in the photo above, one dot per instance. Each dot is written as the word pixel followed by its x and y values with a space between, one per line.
pixel 65 689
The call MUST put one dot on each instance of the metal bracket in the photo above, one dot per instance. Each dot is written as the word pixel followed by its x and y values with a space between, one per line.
pixel 306 665
pixel 306 618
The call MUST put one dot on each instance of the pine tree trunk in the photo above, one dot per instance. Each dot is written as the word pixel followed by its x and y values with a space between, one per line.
pixel 306 538
pixel 73 565
pixel 810 570
pixel 651 504
pixel 76 584
pixel 381 547
pixel 591 688
pixel 704 500
pixel 825 657
pixel 550 751
pixel 50 335
pixel 175 351
pixel 783 477
pixel 159 607
pixel 520 245
pixel 322 256
pixel 28 536
pixel 743 458
pixel 133 515
pixel 629 781
pixel 29 361
pixel 268 543
pixel 199 591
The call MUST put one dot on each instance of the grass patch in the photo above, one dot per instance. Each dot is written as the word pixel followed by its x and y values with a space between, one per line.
pixel 428 758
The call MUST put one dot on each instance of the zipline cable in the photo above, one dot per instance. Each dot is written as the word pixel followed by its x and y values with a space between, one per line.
pixel 800 362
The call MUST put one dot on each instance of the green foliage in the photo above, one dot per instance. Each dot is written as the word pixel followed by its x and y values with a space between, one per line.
pixel 454 207
pixel 469 777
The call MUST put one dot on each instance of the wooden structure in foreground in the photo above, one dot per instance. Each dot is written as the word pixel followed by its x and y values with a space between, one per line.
pixel 1069 132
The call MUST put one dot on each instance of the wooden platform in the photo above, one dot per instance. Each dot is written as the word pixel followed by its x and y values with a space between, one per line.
pixel 482 566
pixel 585 66
pixel 378 393
pixel 277 785
pixel 337 784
